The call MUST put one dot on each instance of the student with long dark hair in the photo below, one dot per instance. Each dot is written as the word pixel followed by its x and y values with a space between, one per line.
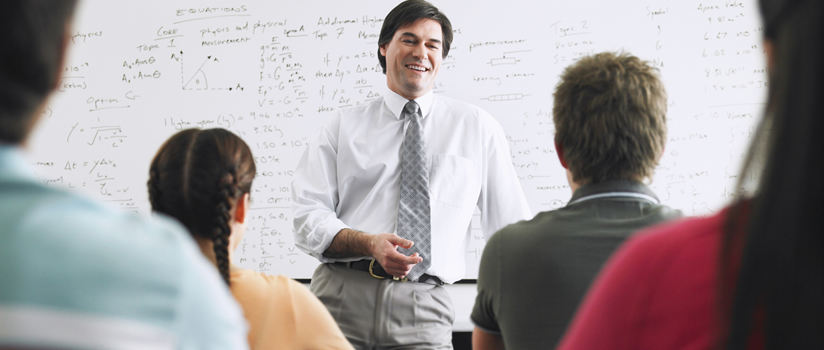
pixel 203 179
pixel 751 276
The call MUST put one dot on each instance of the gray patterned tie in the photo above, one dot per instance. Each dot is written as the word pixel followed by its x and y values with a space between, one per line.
pixel 413 209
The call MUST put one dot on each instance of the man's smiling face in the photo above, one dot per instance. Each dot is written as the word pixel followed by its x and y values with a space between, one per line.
pixel 413 57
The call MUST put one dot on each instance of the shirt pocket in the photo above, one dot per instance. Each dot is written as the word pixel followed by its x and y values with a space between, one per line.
pixel 455 180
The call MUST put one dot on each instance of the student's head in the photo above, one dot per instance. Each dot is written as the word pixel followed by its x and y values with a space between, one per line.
pixel 610 118
pixel 414 40
pixel 773 260
pixel 203 178
pixel 33 38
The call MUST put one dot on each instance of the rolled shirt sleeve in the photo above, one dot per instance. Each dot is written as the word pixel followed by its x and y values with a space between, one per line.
pixel 315 194
pixel 502 200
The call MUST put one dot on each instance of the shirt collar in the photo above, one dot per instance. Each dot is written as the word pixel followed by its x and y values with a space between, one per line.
pixel 614 189
pixel 396 102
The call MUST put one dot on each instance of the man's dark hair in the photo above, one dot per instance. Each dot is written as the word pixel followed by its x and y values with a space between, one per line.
pixel 33 37
pixel 610 118
pixel 408 12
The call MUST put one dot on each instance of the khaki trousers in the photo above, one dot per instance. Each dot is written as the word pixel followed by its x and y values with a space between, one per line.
pixel 385 314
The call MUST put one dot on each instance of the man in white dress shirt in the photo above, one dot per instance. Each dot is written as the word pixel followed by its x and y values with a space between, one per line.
pixel 348 184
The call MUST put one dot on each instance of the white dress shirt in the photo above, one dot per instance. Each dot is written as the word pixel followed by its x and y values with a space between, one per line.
pixel 349 177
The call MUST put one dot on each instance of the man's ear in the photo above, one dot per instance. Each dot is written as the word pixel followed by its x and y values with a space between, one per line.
pixel 560 151
pixel 769 51
pixel 663 150
pixel 382 50
pixel 241 207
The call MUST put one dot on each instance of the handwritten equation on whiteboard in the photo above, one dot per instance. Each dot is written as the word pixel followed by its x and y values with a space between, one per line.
pixel 274 72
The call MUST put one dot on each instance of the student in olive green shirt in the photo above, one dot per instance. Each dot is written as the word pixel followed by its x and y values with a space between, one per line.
pixel 609 114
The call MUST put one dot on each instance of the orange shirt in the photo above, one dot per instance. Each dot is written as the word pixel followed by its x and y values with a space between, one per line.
pixel 284 314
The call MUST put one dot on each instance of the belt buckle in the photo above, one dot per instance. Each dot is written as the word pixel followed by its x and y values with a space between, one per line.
pixel 372 273
pixel 376 276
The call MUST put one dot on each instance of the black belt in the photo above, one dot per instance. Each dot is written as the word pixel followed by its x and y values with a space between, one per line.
pixel 375 270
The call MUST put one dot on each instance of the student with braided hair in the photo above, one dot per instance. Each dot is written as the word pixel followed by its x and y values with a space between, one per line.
pixel 203 179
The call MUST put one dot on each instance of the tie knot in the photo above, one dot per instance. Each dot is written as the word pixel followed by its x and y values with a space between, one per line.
pixel 411 108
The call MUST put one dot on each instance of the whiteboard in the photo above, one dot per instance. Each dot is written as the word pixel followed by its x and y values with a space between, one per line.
pixel 274 71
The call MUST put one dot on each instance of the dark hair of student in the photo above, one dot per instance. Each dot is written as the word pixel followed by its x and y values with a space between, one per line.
pixel 408 12
pixel 35 33
pixel 197 177
pixel 772 262
pixel 610 120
